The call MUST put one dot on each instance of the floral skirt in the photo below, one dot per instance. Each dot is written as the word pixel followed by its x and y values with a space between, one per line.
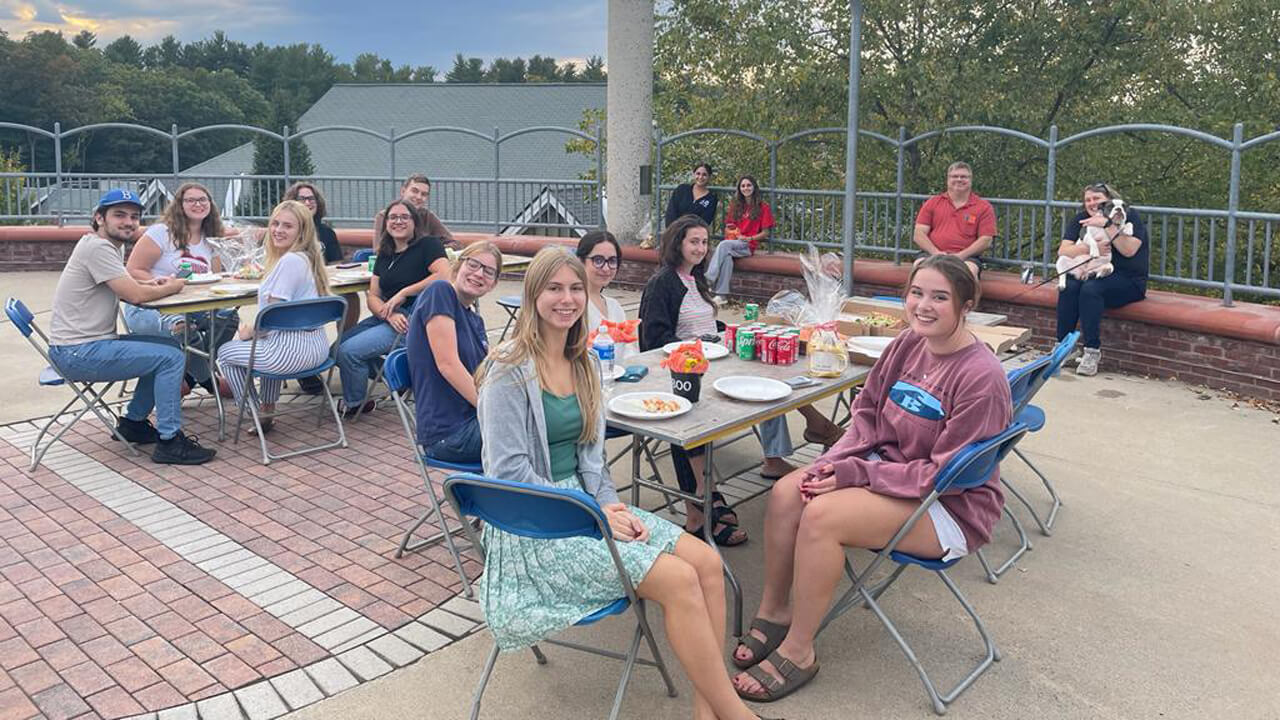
pixel 533 588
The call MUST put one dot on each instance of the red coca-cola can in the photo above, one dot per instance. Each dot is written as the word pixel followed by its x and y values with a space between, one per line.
pixel 731 336
pixel 770 352
pixel 786 350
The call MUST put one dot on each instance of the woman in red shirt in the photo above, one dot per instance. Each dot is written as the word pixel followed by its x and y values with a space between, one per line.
pixel 935 390
pixel 746 223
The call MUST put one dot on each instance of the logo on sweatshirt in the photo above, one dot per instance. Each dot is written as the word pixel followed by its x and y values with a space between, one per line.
pixel 916 401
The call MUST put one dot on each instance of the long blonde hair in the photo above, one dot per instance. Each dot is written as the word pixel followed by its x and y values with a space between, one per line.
pixel 306 243
pixel 527 342
pixel 175 217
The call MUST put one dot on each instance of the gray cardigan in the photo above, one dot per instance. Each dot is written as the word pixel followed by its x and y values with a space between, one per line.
pixel 514 427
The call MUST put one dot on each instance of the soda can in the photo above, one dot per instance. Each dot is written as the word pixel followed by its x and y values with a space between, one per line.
pixel 372 259
pixel 751 312
pixel 786 352
pixel 731 336
pixel 746 340
pixel 770 352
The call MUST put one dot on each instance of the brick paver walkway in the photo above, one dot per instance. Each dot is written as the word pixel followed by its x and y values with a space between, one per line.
pixel 128 587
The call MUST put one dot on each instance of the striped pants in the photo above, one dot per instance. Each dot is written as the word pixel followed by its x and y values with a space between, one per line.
pixel 280 352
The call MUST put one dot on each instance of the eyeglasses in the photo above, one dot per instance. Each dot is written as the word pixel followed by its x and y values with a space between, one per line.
pixel 399 218
pixel 475 265
pixel 195 201
pixel 600 261
pixel 1101 187
pixel 310 199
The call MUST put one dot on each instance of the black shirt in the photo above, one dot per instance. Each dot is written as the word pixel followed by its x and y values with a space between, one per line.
pixel 1134 268
pixel 682 203
pixel 329 240
pixel 400 270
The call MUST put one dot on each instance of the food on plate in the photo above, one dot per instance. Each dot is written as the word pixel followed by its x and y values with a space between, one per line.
pixel 251 270
pixel 659 405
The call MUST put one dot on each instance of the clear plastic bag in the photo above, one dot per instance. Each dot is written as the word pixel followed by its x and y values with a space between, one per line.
pixel 240 250
pixel 817 313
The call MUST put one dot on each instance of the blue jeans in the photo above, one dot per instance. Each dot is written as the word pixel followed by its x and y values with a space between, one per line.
pixel 359 352
pixel 775 440
pixel 157 363
pixel 462 446
pixel 720 269
pixel 1083 302
pixel 146 321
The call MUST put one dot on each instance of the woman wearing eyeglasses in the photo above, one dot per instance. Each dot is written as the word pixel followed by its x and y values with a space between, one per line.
pixel 406 264
pixel 189 220
pixel 600 253
pixel 446 343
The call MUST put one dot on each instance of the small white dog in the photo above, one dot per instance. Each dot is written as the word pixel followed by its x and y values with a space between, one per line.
pixel 1098 264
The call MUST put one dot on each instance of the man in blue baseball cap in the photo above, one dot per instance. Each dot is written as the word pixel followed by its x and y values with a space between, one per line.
pixel 83 343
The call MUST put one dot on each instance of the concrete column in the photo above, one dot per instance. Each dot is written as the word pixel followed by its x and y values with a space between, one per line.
pixel 629 126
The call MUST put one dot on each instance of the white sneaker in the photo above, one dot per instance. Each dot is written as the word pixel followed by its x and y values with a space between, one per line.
pixel 1089 362
pixel 719 300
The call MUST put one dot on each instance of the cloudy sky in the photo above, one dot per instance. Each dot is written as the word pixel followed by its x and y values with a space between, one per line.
pixel 426 32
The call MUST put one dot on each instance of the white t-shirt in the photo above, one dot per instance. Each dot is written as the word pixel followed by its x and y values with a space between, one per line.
pixel 290 279
pixel 615 313
pixel 199 255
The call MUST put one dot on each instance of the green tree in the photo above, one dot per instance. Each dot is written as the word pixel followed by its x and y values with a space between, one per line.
pixel 542 69
pixel 593 71
pixel 124 50
pixel 84 40
pixel 167 53
pixel 502 70
pixel 465 70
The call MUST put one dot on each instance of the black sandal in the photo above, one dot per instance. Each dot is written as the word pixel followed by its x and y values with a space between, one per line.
pixel 723 538
pixel 720 510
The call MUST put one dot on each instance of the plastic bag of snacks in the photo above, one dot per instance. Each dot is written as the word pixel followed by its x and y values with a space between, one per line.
pixel 827 354
pixel 240 250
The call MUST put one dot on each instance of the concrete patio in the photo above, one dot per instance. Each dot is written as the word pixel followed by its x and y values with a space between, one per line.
pixel 1148 601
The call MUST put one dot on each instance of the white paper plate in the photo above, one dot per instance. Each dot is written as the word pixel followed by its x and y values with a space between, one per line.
pixel 631 405
pixel 234 289
pixel 713 351
pixel 351 276
pixel 870 345
pixel 752 389
pixel 203 278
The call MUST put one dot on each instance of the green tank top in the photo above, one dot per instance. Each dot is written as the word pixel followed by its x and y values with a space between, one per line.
pixel 564 425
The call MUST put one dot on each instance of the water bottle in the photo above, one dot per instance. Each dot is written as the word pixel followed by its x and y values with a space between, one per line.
pixel 603 347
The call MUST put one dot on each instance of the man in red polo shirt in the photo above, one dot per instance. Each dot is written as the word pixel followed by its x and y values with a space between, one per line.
pixel 956 222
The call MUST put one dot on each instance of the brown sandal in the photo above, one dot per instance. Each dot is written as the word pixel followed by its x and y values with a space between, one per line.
pixel 774 634
pixel 794 677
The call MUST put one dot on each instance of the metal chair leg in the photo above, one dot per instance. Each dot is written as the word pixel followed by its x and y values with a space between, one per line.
pixel 484 680
pixel 1024 545
pixel 1046 526
pixel 642 622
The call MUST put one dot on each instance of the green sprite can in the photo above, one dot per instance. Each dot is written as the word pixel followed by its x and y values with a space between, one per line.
pixel 750 312
pixel 372 260
pixel 746 344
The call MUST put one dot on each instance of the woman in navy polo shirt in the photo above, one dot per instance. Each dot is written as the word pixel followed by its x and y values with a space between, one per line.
pixel 446 343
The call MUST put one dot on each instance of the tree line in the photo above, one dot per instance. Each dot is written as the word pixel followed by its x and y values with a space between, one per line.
pixel 49 79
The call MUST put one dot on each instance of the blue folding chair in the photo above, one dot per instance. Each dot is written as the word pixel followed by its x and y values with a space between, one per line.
pixel 969 468
pixel 395 372
pixel 510 303
pixel 86 392
pixel 1024 389
pixel 549 513
pixel 294 315
pixel 1024 383
pixel 362 255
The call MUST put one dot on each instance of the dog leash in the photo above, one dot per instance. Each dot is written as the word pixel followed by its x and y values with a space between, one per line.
pixel 1053 277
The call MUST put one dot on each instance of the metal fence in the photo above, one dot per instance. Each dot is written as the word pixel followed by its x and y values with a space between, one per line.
pixel 491 202
pixel 1227 250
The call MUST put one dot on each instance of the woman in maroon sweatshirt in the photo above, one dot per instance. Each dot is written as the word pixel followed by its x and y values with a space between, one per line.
pixel 935 390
